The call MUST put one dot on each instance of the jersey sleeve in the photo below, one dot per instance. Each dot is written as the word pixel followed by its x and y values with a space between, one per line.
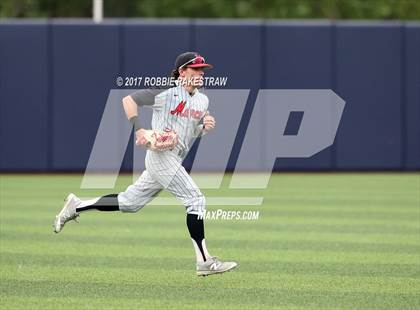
pixel 146 97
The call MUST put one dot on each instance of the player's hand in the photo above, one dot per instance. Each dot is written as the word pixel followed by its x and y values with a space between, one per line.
pixel 141 139
pixel 208 122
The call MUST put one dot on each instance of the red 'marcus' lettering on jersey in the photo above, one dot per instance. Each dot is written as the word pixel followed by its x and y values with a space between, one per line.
pixel 179 111
pixel 189 113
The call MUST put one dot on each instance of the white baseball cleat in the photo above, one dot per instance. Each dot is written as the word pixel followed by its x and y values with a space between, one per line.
pixel 68 212
pixel 213 265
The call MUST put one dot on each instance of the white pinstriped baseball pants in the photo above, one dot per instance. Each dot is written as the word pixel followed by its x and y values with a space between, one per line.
pixel 164 170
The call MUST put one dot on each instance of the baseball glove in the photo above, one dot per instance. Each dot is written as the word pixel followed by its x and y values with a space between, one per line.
pixel 156 140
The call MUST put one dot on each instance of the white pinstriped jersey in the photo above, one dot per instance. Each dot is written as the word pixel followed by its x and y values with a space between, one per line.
pixel 175 109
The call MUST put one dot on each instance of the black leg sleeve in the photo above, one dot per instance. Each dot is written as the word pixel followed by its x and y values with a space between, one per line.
pixel 105 203
pixel 196 229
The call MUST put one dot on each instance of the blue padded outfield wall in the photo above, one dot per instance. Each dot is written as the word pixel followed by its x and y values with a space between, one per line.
pixel 55 78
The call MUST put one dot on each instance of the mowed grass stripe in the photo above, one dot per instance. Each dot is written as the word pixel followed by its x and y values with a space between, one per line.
pixel 247 230
pixel 374 284
pixel 269 214
pixel 274 228
pixel 19 260
pixel 115 250
pixel 334 225
pixel 268 297
pixel 320 211
pixel 141 303
pixel 407 201
pixel 149 231
pixel 171 240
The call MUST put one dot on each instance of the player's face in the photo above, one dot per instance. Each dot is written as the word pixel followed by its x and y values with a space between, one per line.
pixel 193 76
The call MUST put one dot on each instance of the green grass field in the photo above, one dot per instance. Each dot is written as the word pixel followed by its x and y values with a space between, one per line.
pixel 322 241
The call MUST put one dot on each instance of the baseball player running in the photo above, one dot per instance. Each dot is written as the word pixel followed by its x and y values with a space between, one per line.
pixel 180 114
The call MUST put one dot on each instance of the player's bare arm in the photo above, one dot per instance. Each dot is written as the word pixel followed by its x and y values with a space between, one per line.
pixel 130 107
pixel 131 111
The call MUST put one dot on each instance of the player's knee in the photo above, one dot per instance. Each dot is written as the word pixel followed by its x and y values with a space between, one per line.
pixel 128 204
pixel 201 201
pixel 196 203
pixel 131 208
